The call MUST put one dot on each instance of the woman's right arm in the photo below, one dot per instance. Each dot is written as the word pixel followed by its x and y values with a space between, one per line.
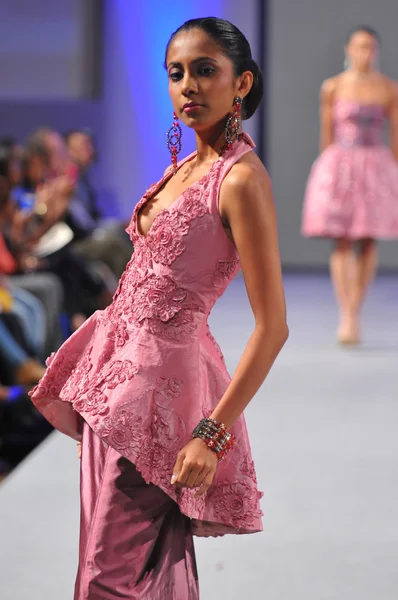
pixel 326 113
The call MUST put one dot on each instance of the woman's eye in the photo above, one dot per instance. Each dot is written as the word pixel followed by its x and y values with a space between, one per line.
pixel 175 75
pixel 206 71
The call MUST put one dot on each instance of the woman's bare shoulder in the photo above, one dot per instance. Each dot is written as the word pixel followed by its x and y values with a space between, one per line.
pixel 330 85
pixel 248 169
pixel 248 181
pixel 390 84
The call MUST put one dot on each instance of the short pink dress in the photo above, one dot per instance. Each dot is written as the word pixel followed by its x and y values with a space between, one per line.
pixel 352 191
pixel 143 372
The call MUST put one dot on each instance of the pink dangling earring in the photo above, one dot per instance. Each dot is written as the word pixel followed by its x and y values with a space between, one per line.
pixel 232 125
pixel 174 144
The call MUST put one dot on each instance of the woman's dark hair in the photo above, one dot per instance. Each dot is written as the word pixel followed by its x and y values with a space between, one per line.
pixel 235 46
pixel 34 148
pixel 5 160
pixel 364 29
pixel 9 141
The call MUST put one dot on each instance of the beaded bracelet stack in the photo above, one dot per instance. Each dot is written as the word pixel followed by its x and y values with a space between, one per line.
pixel 216 436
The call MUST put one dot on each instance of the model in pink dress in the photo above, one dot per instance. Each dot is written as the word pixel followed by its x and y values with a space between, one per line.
pixel 136 379
pixel 352 192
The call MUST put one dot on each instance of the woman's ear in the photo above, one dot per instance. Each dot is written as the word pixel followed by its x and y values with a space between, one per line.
pixel 245 84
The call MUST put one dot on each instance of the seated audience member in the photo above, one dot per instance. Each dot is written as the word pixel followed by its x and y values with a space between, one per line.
pixel 84 290
pixel 97 238
pixel 36 300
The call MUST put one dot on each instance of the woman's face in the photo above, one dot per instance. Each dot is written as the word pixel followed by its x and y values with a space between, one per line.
pixel 362 50
pixel 202 84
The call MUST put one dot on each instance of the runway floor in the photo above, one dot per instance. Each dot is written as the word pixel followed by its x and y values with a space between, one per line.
pixel 324 437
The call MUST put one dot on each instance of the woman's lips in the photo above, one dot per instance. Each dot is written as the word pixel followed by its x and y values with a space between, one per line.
pixel 190 108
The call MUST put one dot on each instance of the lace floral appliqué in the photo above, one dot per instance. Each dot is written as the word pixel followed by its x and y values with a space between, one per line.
pixel 236 503
pixel 165 239
pixel 157 297
pixel 224 271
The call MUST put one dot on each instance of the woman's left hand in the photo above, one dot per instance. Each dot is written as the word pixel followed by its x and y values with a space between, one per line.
pixel 195 467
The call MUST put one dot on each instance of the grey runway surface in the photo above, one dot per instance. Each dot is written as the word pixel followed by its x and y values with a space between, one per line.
pixel 324 438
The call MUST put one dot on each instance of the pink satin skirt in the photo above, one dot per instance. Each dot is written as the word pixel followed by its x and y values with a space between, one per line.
pixel 135 544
